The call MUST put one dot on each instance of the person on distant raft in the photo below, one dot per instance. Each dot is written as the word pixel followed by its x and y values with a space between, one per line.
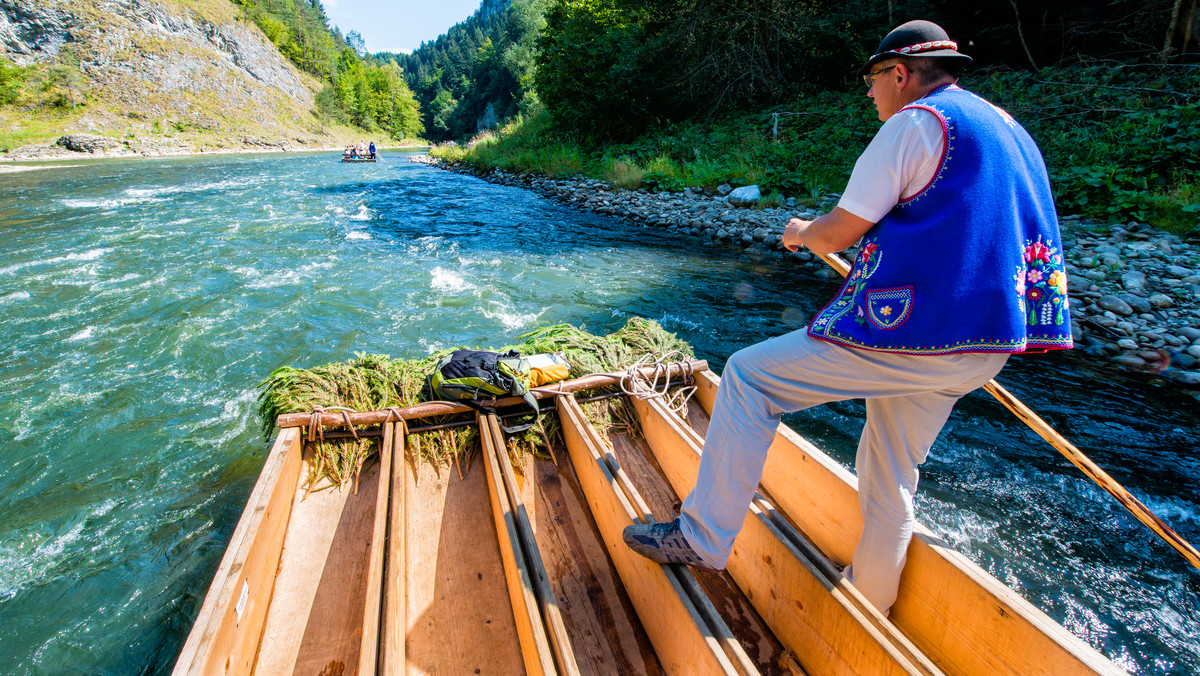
pixel 959 265
pixel 371 148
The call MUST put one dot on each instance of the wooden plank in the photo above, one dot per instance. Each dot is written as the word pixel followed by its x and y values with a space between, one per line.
pixel 605 632
pixel 535 647
pixel 458 613
pixel 225 636
pixel 754 636
pixel 321 587
pixel 964 619
pixel 368 662
pixel 685 645
pixel 682 574
pixel 828 634
pixel 556 632
pixel 391 640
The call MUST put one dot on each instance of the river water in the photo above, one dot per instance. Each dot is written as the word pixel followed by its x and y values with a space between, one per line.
pixel 143 301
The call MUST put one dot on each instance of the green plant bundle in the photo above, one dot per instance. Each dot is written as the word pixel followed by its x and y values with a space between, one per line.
pixel 371 382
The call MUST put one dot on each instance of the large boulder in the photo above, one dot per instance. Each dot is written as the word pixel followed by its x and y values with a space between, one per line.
pixel 745 196
pixel 87 143
pixel 1134 280
pixel 1138 303
pixel 1115 305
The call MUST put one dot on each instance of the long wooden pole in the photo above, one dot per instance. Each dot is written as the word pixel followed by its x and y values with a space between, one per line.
pixel 424 410
pixel 1077 458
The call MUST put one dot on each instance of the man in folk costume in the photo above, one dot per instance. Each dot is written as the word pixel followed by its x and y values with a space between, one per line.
pixel 959 266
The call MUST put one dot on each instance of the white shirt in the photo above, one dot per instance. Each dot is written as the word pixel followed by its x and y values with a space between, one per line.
pixel 899 162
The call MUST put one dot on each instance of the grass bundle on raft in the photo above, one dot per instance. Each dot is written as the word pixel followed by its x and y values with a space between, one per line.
pixel 371 382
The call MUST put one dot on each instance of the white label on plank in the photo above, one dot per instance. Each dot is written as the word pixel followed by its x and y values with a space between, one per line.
pixel 241 604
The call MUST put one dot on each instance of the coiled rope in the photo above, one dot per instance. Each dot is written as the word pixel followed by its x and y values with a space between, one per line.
pixel 635 384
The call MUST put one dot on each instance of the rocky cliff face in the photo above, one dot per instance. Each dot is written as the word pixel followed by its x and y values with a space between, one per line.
pixel 165 73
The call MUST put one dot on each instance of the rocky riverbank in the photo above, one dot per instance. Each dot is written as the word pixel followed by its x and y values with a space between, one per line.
pixel 76 146
pixel 1135 291
pixel 91 146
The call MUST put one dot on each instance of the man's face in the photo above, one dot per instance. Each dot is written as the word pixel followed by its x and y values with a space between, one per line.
pixel 886 80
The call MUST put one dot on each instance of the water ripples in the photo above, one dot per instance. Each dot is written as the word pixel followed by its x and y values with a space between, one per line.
pixel 144 301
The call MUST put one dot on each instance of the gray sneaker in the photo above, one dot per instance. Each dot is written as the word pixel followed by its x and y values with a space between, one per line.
pixel 664 543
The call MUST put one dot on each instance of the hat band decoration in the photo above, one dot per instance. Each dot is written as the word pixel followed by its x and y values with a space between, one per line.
pixel 922 47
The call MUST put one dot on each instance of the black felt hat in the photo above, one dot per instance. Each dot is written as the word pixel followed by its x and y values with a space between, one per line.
pixel 915 38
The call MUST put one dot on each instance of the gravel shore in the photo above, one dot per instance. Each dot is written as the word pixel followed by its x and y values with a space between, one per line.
pixel 1135 291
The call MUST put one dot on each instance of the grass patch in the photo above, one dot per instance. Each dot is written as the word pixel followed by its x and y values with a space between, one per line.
pixel 623 174
pixel 23 127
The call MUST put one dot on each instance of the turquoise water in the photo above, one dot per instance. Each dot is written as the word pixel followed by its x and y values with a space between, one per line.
pixel 144 300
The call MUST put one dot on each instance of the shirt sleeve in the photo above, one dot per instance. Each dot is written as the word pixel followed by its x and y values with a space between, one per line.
pixel 899 162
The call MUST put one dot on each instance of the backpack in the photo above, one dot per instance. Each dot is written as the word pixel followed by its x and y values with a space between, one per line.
pixel 470 375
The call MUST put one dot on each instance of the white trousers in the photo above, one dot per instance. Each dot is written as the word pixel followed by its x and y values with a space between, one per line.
pixel 908 397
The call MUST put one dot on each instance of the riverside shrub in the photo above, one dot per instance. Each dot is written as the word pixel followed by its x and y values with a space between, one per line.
pixel 1121 140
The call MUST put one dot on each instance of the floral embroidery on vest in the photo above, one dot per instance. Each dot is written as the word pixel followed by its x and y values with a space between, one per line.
pixel 1041 284
pixel 887 309
pixel 864 266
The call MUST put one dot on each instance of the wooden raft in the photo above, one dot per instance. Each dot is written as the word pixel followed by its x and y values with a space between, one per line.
pixel 519 567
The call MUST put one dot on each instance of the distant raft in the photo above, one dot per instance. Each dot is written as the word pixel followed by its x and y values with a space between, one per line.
pixel 347 158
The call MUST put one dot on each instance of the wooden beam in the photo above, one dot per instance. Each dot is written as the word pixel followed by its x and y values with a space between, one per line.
pixel 535 648
pixel 839 586
pixel 368 656
pixel 392 659
pixel 424 410
pixel 829 635
pixel 682 640
pixel 685 578
pixel 226 634
pixel 564 655
pixel 960 616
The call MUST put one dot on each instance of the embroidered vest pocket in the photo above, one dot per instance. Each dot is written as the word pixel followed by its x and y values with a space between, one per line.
pixel 889 308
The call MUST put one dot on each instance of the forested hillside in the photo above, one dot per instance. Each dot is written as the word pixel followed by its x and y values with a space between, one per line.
pixel 480 72
pixel 671 93
pixel 367 93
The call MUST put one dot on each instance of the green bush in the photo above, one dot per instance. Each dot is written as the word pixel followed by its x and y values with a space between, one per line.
pixel 1121 140
pixel 12 80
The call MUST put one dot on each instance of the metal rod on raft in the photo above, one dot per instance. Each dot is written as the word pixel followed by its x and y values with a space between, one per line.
pixel 1077 457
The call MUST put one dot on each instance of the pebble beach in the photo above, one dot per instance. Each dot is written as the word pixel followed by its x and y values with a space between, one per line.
pixel 1135 290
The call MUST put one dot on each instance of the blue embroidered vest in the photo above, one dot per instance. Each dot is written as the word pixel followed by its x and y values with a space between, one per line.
pixel 973 262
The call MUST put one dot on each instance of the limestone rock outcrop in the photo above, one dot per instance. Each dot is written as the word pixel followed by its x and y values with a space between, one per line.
pixel 153 69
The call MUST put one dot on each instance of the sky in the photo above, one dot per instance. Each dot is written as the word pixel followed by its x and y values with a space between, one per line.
pixel 397 25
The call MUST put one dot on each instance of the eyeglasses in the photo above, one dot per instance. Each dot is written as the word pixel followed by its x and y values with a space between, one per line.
pixel 869 78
